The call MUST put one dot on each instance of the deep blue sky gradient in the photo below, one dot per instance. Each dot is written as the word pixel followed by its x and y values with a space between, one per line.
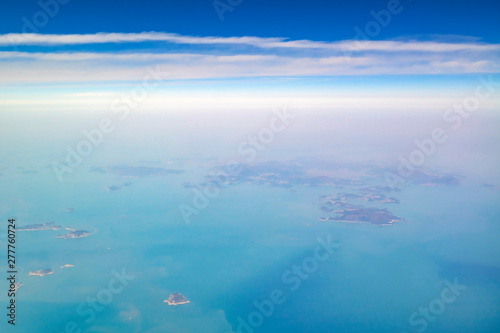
pixel 296 19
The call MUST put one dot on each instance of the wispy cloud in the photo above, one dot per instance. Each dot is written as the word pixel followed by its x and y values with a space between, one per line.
pixel 37 67
pixel 278 42
pixel 57 59
pixel 99 38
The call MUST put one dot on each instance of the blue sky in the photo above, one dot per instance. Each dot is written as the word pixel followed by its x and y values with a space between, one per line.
pixel 81 50
pixel 325 20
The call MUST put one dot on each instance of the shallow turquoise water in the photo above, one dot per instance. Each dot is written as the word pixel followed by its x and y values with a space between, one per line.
pixel 233 254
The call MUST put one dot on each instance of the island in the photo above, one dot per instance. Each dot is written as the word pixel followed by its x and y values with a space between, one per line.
pixel 115 187
pixel 277 174
pixel 118 187
pixel 301 173
pixel 42 272
pixel 375 216
pixel 433 178
pixel 74 234
pixel 333 203
pixel 342 205
pixel 176 299
pixel 370 196
pixel 36 227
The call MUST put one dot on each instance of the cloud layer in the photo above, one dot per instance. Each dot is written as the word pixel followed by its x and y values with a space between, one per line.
pixel 279 42
pixel 40 58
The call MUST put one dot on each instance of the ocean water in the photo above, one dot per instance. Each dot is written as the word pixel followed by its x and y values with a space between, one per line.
pixel 235 252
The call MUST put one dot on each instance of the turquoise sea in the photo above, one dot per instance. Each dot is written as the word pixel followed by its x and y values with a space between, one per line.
pixel 236 250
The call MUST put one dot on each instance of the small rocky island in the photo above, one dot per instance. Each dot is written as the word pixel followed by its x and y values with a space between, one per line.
pixel 42 272
pixel 176 299
pixel 374 216
pixel 350 208
pixel 74 234
pixel 118 187
pixel 44 226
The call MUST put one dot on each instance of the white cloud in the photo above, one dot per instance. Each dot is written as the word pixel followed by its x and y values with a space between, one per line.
pixel 278 42
pixel 61 67
pixel 98 38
